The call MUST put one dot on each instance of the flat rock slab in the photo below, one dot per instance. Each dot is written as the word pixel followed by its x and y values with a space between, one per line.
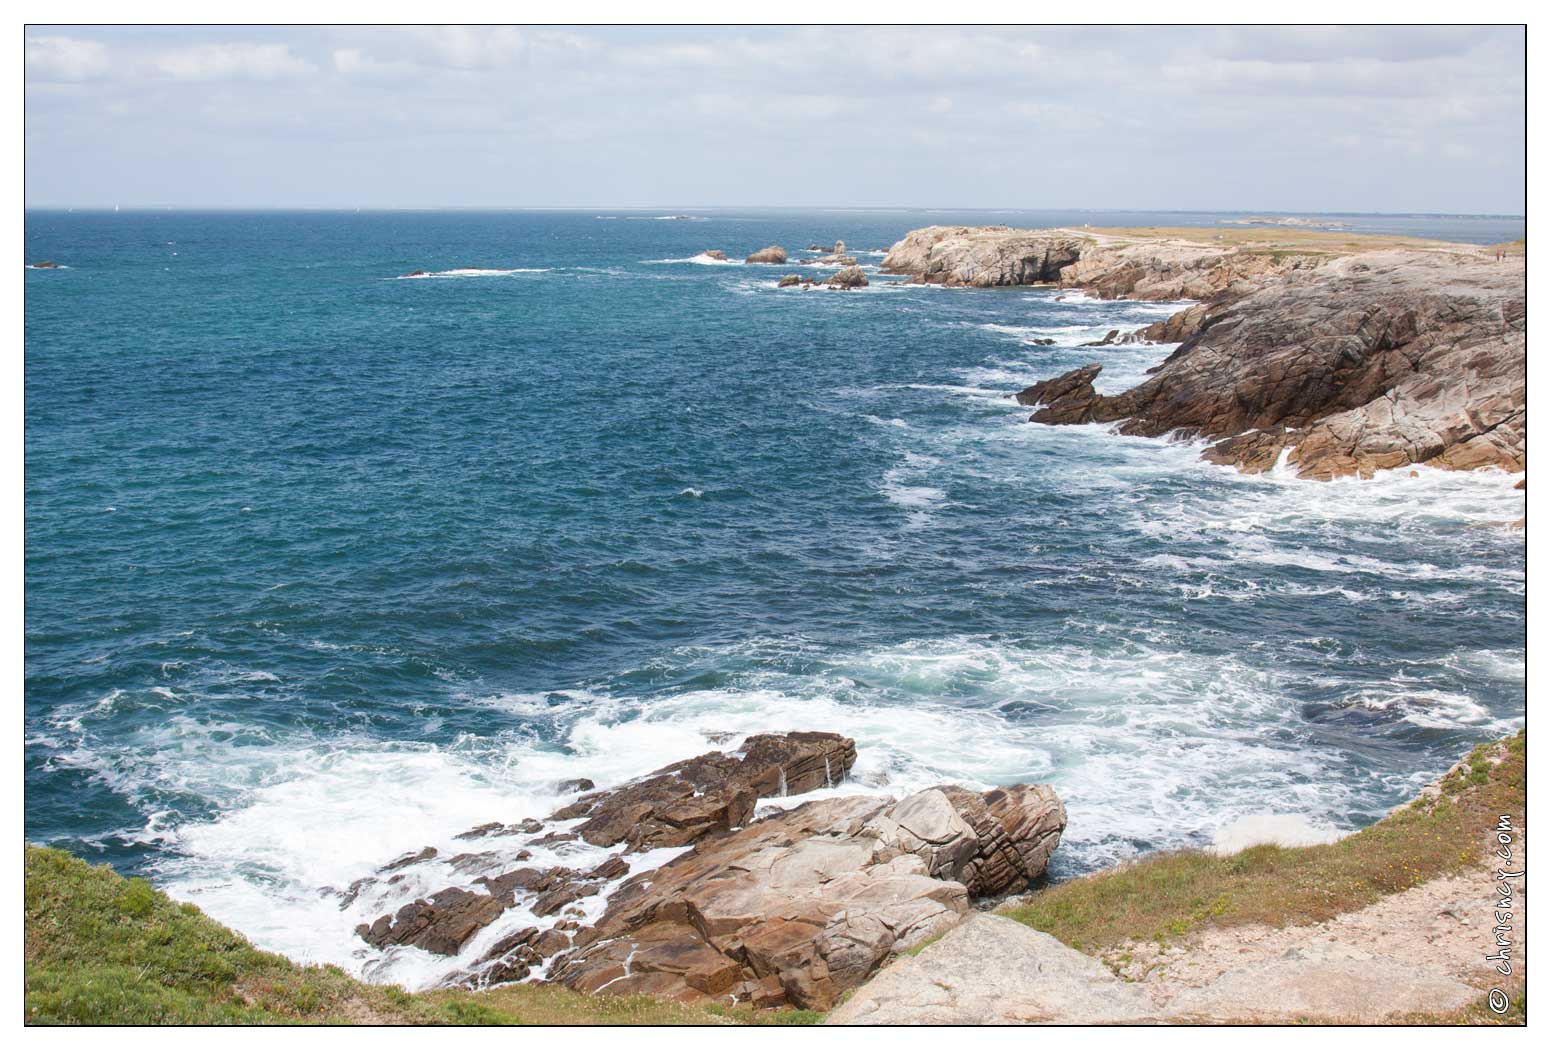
pixel 995 971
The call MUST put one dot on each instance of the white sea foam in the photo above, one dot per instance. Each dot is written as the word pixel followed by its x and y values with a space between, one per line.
pixel 1147 744
pixel 1283 830
pixel 470 271
pixel 699 260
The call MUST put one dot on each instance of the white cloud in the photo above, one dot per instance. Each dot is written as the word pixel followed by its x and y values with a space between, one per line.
pixel 65 58
pixel 916 114
pixel 232 62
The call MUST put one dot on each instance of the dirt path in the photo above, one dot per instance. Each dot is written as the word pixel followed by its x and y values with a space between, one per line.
pixel 1419 952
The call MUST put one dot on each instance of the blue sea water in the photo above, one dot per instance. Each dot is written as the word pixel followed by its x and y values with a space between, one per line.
pixel 323 564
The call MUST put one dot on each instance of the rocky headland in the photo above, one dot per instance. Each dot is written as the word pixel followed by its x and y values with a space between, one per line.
pixel 703 896
pixel 1345 354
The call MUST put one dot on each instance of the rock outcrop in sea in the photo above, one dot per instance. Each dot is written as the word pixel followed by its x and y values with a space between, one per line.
pixel 772 254
pixel 787 907
pixel 850 277
pixel 1348 364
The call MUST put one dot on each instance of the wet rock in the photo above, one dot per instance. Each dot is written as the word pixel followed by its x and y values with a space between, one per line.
pixel 493 828
pixel 577 784
pixel 406 860
pixel 789 280
pixel 441 924
pixel 715 253
pixel 772 254
pixel 850 277
pixel 551 942
pixel 681 804
pixel 562 893
pixel 613 868
pixel 474 862
pixel 1069 398
pixel 534 880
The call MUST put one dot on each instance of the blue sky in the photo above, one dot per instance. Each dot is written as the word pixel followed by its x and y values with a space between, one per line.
pixel 1422 119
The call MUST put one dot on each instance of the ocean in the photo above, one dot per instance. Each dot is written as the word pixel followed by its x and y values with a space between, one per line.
pixel 324 564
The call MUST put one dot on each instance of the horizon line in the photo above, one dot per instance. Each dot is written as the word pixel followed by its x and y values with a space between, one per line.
pixel 140 208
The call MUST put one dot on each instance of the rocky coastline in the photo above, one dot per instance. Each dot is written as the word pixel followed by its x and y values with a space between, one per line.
pixel 707 895
pixel 1341 356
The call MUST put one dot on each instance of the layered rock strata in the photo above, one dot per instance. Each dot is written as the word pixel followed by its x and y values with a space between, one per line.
pixel 790 907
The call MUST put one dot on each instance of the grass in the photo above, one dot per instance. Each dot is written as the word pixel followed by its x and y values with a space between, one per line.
pixel 1168 895
pixel 103 950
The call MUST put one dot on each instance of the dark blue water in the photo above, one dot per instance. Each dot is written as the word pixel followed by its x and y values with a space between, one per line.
pixel 323 565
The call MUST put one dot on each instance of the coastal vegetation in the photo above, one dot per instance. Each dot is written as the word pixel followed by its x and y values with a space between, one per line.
pixel 1166 896
pixel 104 950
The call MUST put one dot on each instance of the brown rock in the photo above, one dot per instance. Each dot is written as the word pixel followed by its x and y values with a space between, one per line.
pixel 406 860
pixel 850 277
pixel 789 280
pixel 681 804
pixel 1069 398
pixel 803 905
pixel 442 923
pixel 1347 365
pixel 773 254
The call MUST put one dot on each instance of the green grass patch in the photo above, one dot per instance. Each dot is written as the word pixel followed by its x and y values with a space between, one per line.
pixel 1165 896
pixel 103 950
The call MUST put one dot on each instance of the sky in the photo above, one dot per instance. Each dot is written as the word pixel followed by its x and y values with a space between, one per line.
pixel 1290 120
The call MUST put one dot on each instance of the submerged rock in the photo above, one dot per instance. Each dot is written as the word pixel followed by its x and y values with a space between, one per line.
pixel 715 253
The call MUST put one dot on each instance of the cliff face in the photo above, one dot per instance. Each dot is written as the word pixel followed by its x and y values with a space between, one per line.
pixel 1111 267
pixel 1350 364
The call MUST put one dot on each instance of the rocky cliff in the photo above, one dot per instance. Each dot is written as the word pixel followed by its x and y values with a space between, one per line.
pixel 1346 361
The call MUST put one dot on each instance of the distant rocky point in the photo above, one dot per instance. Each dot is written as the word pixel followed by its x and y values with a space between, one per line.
pixel 1290 220
pixel 1342 359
